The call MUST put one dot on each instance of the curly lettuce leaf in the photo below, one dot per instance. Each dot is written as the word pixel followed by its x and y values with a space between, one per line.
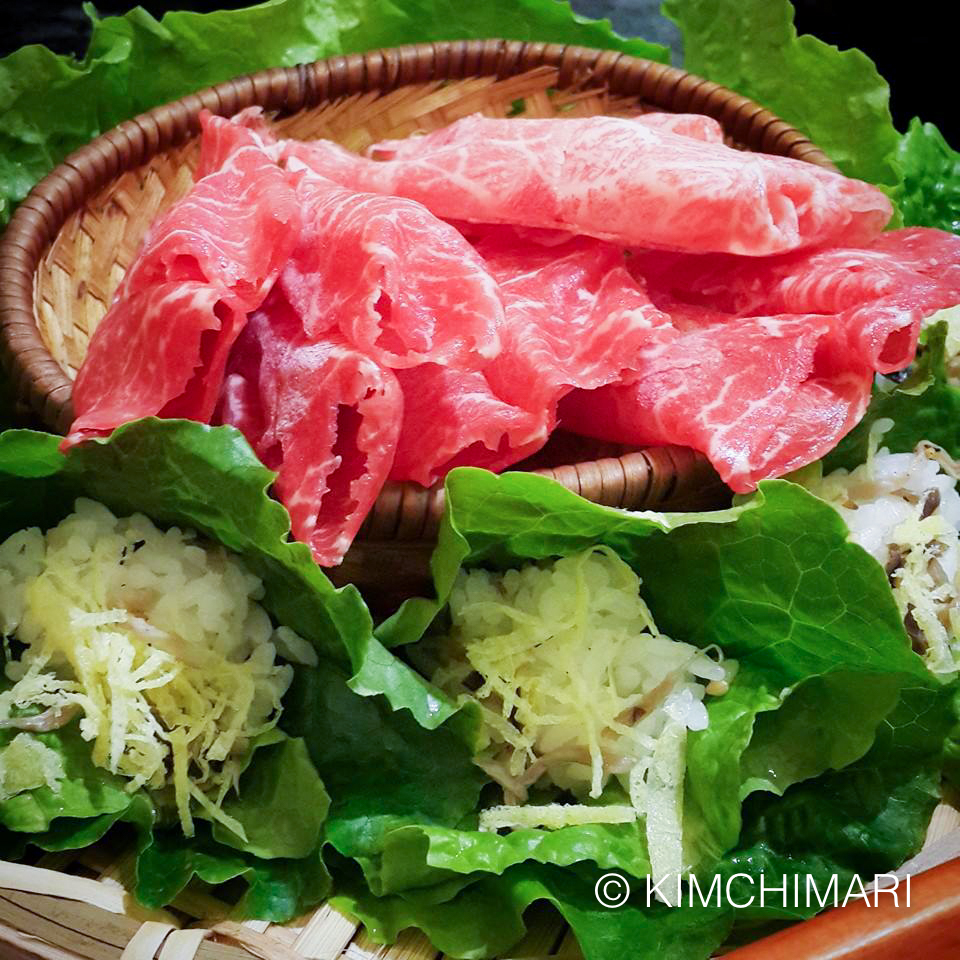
pixel 797 77
pixel 51 105
pixel 929 192
pixel 281 804
pixel 75 833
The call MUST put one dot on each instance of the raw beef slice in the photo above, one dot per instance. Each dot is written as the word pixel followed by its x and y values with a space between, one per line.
pixel 883 290
pixel 574 316
pixel 696 125
pixel 162 347
pixel 759 396
pixel 234 230
pixel 401 285
pixel 618 179
pixel 321 414
pixel 155 354
pixel 819 281
pixel 452 418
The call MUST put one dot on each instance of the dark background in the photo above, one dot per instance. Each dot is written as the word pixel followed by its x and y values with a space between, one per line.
pixel 915 47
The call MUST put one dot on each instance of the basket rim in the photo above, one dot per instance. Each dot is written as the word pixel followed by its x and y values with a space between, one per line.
pixel 39 380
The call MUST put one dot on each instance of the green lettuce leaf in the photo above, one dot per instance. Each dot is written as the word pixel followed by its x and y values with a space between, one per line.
pixel 75 833
pixel 774 582
pixel 929 193
pixel 51 105
pixel 765 579
pixel 863 820
pixel 925 406
pixel 797 77
pixel 277 889
pixel 487 918
pixel 208 479
pixel 281 804
pixel 384 770
pixel 86 791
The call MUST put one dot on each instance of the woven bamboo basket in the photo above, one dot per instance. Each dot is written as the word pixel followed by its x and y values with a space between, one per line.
pixel 69 243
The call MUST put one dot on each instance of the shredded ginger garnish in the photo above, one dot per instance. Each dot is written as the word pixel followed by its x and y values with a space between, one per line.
pixel 577 687
pixel 904 509
pixel 155 640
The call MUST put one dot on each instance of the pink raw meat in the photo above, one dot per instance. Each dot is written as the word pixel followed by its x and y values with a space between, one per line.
pixel 759 396
pixel 616 179
pixel 451 418
pixel 159 352
pixel 696 125
pixel 819 281
pixel 883 291
pixel 321 414
pixel 234 230
pixel 401 285
pixel 574 316
pixel 223 136
pixel 932 253
pixel 162 347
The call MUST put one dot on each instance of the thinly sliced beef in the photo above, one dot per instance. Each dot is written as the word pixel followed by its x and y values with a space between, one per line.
pixel 696 125
pixel 574 316
pixel 617 179
pixel 759 396
pixel 932 253
pixel 223 136
pixel 321 414
pixel 819 281
pixel 161 353
pixel 882 291
pixel 234 230
pixel 162 347
pixel 400 285
pixel 451 418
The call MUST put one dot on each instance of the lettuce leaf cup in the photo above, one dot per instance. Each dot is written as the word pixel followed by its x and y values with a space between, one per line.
pixel 827 703
pixel 67 779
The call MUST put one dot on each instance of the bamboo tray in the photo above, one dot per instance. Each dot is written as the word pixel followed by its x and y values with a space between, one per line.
pixel 69 243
